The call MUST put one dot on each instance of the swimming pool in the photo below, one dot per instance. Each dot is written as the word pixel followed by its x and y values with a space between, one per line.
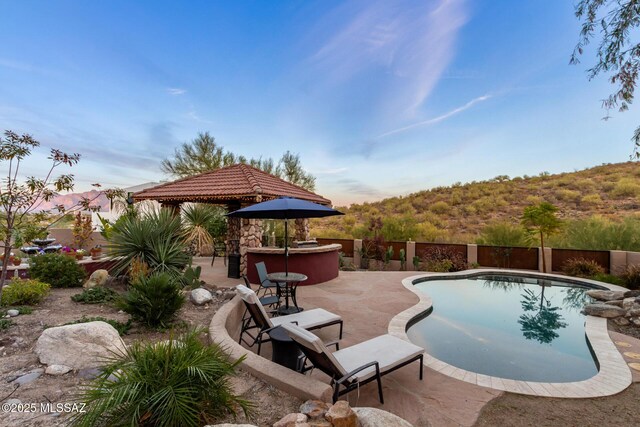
pixel 507 326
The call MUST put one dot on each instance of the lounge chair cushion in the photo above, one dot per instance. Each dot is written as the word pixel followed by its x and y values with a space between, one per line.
pixel 307 319
pixel 387 350
pixel 250 297
pixel 312 342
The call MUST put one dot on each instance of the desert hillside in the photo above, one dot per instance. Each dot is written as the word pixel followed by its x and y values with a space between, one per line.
pixel 458 213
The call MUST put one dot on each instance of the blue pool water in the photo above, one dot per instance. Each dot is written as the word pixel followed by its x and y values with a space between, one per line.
pixel 505 326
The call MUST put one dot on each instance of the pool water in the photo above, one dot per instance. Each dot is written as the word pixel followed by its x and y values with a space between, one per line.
pixel 514 327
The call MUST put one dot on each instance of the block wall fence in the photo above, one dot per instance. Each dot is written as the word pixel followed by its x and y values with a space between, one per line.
pixel 613 262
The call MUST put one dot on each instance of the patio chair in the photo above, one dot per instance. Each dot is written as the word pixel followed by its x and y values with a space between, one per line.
pixel 359 364
pixel 265 283
pixel 316 318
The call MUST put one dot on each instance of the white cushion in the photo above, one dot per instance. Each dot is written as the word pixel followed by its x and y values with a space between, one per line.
pixel 250 297
pixel 387 350
pixel 310 341
pixel 307 319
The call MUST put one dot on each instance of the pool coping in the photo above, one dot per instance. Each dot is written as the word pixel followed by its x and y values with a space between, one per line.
pixel 613 376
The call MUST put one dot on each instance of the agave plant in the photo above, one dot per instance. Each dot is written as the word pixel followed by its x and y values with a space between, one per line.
pixel 154 239
pixel 180 382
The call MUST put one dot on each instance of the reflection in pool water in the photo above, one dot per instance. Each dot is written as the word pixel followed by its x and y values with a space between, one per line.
pixel 514 327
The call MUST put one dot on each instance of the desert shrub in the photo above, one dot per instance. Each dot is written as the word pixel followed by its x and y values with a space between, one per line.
pixel 153 300
pixel 202 224
pixel 626 188
pixel 533 200
pixel 27 292
pixel 60 271
pixel 5 324
pixel 155 239
pixel 121 327
pixel 443 259
pixel 95 295
pixel 598 233
pixel 581 267
pixel 180 382
pixel 591 200
pixel 502 234
pixel 631 277
pixel 567 195
pixel 440 207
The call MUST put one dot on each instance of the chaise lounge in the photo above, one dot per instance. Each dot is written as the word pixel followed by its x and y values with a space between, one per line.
pixel 359 364
pixel 316 318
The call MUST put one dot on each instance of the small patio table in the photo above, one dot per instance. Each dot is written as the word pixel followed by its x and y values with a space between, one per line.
pixel 285 351
pixel 287 284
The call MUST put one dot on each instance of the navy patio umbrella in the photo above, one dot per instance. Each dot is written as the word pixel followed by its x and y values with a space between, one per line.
pixel 284 208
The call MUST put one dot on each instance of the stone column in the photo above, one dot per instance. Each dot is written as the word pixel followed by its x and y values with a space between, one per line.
pixel 174 207
pixel 617 261
pixel 357 245
pixel 250 237
pixel 233 230
pixel 547 255
pixel 472 254
pixel 301 229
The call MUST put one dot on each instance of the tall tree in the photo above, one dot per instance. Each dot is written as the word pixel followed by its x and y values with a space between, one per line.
pixel 20 198
pixel 203 154
pixel 616 22
pixel 540 221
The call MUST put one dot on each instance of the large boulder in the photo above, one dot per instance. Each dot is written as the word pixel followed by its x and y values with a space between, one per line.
pixel 79 346
pixel 201 296
pixel 604 310
pixel 97 278
pixel 601 295
pixel 373 417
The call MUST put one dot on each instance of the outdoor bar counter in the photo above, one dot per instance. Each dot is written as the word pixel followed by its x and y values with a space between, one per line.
pixel 319 264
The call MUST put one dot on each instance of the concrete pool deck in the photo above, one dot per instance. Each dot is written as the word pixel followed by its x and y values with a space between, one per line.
pixel 367 302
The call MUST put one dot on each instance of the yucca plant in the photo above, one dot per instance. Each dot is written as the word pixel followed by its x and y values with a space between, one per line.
pixel 154 239
pixel 153 300
pixel 180 382
pixel 201 224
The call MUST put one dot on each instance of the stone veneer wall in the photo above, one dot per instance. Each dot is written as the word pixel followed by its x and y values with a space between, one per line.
pixel 301 229
pixel 250 237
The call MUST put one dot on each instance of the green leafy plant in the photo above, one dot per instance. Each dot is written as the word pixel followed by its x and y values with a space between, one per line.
pixel 581 267
pixel 180 382
pixel 154 239
pixel 388 255
pixel 121 327
pixel 5 324
pixel 416 262
pixel 540 221
pixel 403 259
pixel 96 295
pixel 153 300
pixel 27 292
pixel 631 277
pixel 60 271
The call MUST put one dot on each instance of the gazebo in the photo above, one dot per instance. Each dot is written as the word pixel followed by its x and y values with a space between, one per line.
pixel 235 187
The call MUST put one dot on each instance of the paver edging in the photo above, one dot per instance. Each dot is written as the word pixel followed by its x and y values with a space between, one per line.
pixel 613 376
pixel 227 319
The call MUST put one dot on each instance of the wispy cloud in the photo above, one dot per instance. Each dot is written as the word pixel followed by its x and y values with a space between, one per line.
pixel 335 171
pixel 176 91
pixel 356 187
pixel 412 42
pixel 437 119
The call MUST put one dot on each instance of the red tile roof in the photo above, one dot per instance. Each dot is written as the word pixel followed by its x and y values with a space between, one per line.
pixel 229 184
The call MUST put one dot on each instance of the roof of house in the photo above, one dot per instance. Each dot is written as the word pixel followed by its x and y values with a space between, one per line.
pixel 235 183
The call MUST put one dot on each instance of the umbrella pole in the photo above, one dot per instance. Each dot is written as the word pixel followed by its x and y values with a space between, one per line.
pixel 286 249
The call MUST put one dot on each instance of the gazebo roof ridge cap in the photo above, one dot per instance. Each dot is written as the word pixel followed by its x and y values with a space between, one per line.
pixel 251 178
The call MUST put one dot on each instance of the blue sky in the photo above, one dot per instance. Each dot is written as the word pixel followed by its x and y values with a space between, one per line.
pixel 379 98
